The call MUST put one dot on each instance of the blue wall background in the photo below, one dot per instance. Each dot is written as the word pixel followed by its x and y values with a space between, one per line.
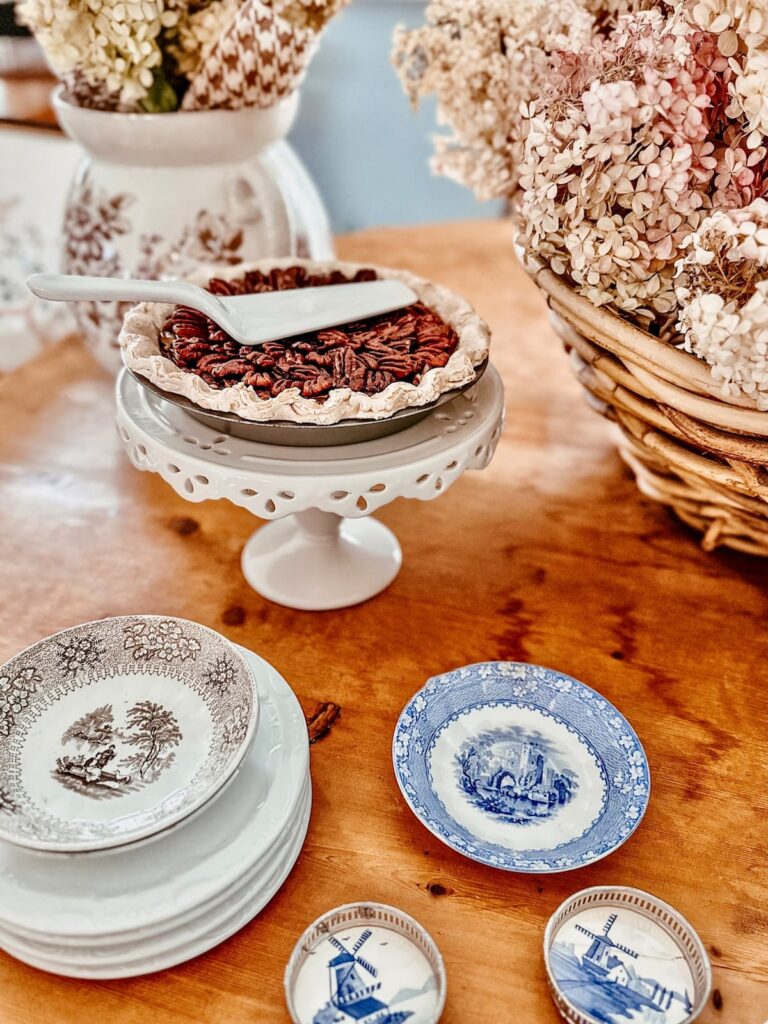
pixel 366 149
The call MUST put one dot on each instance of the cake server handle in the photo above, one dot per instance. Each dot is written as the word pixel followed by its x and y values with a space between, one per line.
pixel 74 288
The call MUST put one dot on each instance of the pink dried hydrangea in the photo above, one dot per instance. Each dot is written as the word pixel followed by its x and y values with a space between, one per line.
pixel 619 160
pixel 722 290
pixel 620 127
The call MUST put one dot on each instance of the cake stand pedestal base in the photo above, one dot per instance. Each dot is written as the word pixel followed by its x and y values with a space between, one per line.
pixel 322 549
pixel 317 560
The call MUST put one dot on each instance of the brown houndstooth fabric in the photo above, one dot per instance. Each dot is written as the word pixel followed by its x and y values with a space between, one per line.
pixel 258 60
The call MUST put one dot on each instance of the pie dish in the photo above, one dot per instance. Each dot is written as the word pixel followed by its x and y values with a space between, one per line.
pixel 113 731
pixel 367 370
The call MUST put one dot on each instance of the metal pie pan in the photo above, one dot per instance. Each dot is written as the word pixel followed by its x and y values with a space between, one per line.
pixel 308 435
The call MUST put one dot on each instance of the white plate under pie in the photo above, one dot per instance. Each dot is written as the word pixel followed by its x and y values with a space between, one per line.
pixel 112 731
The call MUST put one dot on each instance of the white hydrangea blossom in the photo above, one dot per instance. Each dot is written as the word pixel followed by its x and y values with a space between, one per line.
pixel 723 295
pixel 112 44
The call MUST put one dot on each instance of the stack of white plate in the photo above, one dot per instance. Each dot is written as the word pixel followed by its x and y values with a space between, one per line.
pixel 154 795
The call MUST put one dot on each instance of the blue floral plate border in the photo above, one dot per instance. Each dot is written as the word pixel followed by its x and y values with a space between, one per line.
pixel 600 725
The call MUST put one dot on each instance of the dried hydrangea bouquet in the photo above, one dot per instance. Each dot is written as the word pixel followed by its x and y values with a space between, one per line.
pixel 183 107
pixel 632 136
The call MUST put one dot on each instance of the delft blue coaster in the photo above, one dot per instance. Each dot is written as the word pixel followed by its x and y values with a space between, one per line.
pixel 365 962
pixel 521 767
pixel 615 955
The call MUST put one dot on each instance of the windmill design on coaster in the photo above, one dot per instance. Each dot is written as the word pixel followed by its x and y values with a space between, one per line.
pixel 352 998
pixel 609 975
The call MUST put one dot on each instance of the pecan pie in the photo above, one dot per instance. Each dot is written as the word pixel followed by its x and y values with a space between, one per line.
pixel 367 369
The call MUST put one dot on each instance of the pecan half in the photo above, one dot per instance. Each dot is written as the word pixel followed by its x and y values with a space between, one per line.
pixel 366 356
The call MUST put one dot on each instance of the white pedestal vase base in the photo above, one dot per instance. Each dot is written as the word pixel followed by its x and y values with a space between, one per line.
pixel 321 552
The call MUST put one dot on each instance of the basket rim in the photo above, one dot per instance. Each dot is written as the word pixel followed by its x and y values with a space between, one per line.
pixel 677 379
pixel 683 364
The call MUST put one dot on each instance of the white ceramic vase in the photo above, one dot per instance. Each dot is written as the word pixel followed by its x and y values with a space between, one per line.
pixel 159 194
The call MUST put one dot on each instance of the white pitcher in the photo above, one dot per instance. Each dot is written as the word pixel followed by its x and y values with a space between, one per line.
pixel 159 194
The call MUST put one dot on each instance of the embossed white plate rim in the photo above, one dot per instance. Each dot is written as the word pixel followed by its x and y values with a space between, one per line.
pixel 155 952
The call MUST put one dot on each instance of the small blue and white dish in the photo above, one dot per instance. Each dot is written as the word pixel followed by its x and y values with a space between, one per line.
pixel 615 954
pixel 521 767
pixel 365 962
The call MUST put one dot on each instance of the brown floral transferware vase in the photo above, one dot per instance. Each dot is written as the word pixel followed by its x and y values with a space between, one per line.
pixel 157 195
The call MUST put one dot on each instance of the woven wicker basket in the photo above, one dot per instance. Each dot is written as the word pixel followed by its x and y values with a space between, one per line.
pixel 690 448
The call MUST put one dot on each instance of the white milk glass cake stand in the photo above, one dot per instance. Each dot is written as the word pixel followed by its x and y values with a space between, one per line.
pixel 321 550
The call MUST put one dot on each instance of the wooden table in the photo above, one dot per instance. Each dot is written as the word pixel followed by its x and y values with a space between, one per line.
pixel 549 556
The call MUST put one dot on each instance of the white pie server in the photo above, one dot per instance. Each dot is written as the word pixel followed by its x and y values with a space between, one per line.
pixel 248 319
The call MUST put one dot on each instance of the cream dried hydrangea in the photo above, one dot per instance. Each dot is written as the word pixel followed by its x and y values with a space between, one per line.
pixel 311 14
pixel 482 59
pixel 113 45
pixel 723 295
pixel 199 27
pixel 750 94
pixel 735 22
pixel 617 165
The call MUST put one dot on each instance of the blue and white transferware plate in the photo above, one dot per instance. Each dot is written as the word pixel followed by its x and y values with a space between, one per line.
pixel 520 767
pixel 615 955
pixel 112 731
pixel 365 962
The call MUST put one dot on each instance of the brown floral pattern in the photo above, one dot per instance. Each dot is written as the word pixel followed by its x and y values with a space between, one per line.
pixel 7 804
pixel 79 653
pixel 94 223
pixel 16 690
pixel 164 640
pixel 221 674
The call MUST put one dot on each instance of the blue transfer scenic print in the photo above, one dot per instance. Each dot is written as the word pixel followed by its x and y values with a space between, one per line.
pixel 356 992
pixel 514 775
pixel 608 982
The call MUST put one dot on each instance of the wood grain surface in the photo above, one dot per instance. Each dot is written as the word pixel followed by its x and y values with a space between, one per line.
pixel 549 556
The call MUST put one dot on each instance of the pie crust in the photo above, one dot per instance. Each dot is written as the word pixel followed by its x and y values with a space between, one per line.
pixel 140 345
